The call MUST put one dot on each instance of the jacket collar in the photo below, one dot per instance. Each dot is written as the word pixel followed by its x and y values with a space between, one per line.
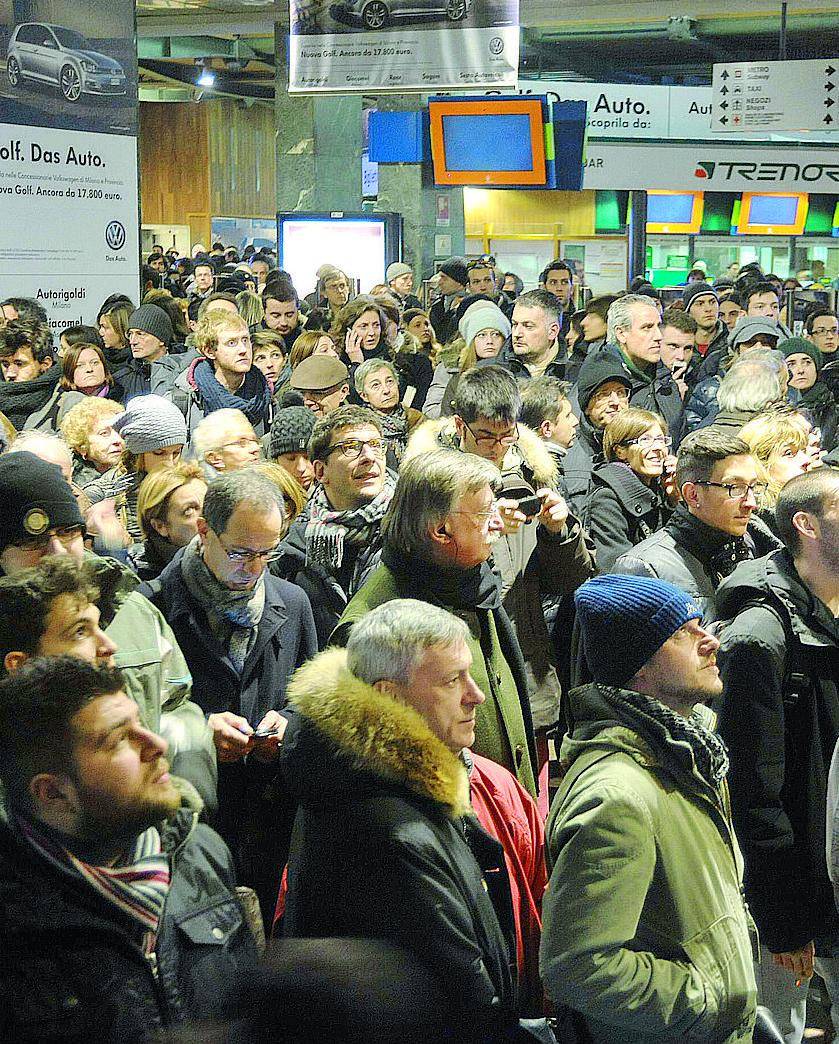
pixel 376 735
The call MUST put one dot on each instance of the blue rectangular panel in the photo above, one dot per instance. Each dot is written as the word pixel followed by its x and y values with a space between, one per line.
pixel 488 142
pixel 569 126
pixel 396 137
pixel 773 210
pixel 670 210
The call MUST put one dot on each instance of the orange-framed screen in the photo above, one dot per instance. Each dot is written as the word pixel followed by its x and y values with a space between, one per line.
pixel 673 212
pixel 773 213
pixel 484 141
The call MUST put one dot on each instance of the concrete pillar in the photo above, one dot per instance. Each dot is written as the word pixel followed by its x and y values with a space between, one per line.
pixel 318 146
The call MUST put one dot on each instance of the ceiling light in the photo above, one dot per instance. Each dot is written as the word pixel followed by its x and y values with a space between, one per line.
pixel 206 78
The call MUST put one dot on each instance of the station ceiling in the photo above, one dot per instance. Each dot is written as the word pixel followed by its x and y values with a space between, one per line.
pixel 632 41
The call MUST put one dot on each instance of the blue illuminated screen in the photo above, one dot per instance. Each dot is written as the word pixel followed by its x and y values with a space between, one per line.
pixel 670 210
pixel 488 142
pixel 773 210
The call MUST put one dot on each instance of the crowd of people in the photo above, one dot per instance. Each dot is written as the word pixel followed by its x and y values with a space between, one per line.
pixel 482 657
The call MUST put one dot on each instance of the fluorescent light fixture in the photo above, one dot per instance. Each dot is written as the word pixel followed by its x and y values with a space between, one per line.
pixel 206 78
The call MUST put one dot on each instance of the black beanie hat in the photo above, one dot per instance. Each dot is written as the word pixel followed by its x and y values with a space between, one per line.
pixel 291 431
pixel 151 319
pixel 597 370
pixel 455 268
pixel 34 498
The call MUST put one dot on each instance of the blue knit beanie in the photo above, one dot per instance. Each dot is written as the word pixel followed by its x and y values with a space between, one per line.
pixel 625 620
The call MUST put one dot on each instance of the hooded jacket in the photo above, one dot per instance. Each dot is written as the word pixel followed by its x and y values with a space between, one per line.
pixel 636 937
pixel 779 716
pixel 386 844
pixel 70 962
pixel 579 462
pixel 532 562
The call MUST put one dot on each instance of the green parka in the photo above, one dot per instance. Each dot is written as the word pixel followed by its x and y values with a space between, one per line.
pixel 645 930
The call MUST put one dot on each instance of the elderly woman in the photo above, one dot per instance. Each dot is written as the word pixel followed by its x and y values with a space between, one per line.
pixel 88 429
pixel 631 494
pixel 377 384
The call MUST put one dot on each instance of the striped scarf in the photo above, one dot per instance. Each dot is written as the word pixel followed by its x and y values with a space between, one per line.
pixel 137 885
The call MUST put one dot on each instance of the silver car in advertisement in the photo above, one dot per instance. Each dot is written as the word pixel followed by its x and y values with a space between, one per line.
pixel 62 58
pixel 376 14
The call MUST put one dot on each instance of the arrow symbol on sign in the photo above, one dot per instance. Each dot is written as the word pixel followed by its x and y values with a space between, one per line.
pixel 829 86
pixel 724 90
pixel 724 75
pixel 828 119
pixel 828 102
pixel 723 120
pixel 830 70
pixel 724 105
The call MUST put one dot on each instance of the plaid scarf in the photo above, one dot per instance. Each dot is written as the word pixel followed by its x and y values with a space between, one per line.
pixel 137 884
pixel 329 531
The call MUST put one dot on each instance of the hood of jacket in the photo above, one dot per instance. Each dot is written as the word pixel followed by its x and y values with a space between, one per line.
pixel 774 579
pixel 595 726
pixel 529 451
pixel 352 730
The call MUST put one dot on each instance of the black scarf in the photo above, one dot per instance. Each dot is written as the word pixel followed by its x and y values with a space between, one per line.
pixel 19 400
pixel 818 395
pixel 718 552
pixel 253 397
pixel 464 589
pixel 663 727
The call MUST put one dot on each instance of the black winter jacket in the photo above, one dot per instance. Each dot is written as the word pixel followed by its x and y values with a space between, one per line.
pixel 385 843
pixel 779 716
pixel 585 451
pixel 620 511
pixel 71 965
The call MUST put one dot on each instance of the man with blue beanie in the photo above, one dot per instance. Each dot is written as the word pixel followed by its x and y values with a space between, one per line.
pixel 645 932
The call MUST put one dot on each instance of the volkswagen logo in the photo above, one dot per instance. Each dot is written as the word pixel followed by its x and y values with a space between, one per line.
pixel 496 45
pixel 115 235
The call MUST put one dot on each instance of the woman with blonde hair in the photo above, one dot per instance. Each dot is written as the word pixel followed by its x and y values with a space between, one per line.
pixel 294 496
pixel 483 328
pixel 250 307
pixel 780 443
pixel 169 504
pixel 88 429
pixel 631 494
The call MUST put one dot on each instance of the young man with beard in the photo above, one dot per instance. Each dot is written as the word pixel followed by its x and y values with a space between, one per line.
pixel 558 279
pixel 282 310
pixel 646 936
pixel 335 542
pixel 702 304
pixel 29 391
pixel 779 716
pixel 714 526
pixel 224 377
pixel 99 859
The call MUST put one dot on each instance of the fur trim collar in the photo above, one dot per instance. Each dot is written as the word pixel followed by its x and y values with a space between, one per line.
pixel 530 449
pixel 378 735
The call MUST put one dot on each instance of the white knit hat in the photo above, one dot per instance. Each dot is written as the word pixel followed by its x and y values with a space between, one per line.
pixel 151 423
pixel 483 315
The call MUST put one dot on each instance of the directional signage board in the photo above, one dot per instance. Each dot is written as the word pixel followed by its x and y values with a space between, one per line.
pixel 776 96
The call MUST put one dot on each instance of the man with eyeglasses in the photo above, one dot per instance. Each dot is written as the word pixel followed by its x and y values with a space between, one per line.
pixel 323 381
pixel 243 632
pixel 335 542
pixel 779 717
pixel 822 328
pixel 714 526
pixel 225 441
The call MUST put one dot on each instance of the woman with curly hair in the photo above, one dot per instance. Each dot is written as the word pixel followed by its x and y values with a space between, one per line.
pixel 88 429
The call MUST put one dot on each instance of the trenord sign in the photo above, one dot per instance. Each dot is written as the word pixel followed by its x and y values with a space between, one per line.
pixel 722 171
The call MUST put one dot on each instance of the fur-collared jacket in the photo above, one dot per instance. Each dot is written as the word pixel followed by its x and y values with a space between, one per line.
pixel 533 563
pixel 386 845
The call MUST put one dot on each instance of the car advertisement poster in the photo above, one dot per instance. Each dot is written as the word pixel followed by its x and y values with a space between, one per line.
pixel 68 155
pixel 404 45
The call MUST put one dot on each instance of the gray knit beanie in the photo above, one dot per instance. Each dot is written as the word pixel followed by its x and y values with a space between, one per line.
pixel 151 423
pixel 151 319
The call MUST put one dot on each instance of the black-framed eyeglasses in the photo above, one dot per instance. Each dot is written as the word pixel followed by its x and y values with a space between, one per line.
pixel 246 555
pixel 738 490
pixel 352 448
pixel 491 441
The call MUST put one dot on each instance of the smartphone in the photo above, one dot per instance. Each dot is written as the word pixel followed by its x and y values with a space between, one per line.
pixel 530 506
pixel 259 734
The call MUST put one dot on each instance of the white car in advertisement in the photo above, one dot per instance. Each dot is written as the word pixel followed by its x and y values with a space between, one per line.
pixel 62 58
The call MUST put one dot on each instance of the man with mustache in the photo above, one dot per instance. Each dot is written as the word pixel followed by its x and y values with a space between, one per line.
pixel 99 859
pixel 335 542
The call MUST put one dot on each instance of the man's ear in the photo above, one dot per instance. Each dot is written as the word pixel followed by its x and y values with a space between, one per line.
pixel 319 466
pixel 203 529
pixel 553 331
pixel 806 524
pixel 545 429
pixel 459 426
pixel 53 795
pixel 14 660
pixel 45 364
pixel 690 491
pixel 345 391
pixel 440 533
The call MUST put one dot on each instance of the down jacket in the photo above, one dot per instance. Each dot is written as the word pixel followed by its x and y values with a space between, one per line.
pixel 645 932
pixel 386 844
pixel 70 964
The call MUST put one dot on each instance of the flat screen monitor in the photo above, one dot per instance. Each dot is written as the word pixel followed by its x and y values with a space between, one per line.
pixel 674 212
pixel 361 245
pixel 480 141
pixel 772 213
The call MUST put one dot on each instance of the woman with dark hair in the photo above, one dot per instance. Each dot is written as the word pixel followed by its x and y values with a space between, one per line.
pixel 512 285
pixel 418 323
pixel 84 369
pixel 630 494
pixel 593 322
pixel 112 321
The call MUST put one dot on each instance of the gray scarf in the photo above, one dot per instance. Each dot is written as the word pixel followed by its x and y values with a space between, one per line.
pixel 328 531
pixel 233 615
pixel 664 725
